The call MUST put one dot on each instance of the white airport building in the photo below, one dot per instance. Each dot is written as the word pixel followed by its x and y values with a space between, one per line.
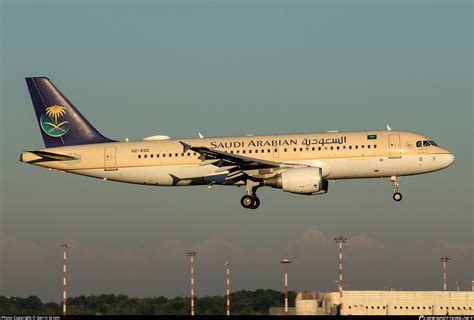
pixel 371 302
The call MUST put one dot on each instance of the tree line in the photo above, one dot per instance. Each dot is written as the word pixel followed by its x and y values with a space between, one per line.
pixel 243 302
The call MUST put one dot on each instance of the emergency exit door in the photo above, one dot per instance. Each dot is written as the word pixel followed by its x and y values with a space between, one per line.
pixel 276 152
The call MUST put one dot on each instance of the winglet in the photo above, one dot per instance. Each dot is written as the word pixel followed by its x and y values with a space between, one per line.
pixel 186 146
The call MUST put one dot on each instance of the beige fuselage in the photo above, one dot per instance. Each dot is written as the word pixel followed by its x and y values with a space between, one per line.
pixel 340 155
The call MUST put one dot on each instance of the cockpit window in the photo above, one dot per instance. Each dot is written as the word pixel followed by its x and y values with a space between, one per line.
pixel 425 143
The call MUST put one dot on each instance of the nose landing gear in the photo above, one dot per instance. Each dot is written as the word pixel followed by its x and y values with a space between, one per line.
pixel 397 196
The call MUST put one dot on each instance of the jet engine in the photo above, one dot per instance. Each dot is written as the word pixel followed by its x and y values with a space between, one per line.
pixel 300 180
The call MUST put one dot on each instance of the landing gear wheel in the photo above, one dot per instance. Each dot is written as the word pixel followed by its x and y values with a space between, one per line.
pixel 397 196
pixel 248 202
pixel 257 203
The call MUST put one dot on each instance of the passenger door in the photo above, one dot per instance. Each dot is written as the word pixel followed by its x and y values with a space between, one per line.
pixel 394 146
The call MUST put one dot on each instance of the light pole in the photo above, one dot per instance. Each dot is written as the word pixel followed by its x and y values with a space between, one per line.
pixel 191 255
pixel 340 240
pixel 65 247
pixel 445 262
pixel 458 285
pixel 227 267
pixel 286 262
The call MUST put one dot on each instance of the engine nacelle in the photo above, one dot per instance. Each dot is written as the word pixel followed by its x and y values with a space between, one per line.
pixel 299 180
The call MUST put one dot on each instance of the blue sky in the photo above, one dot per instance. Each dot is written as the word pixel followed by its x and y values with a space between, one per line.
pixel 141 68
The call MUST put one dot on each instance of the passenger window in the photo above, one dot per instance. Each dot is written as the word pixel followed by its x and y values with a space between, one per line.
pixel 238 151
pixel 285 149
pixel 337 147
pixel 294 149
pixel 232 151
pixel 151 155
pixel 139 156
pixel 312 148
pixel 194 153
pixel 157 155
pixel 256 151
pixel 170 155
pixel 357 147
pixel 175 154
pixel 250 151
pixel 332 148
pixel 301 149
pixel 269 151
pixel 319 148
pixel 375 146
pixel 362 146
pixel 368 146
pixel 189 154
pixel 243 151
pixel 350 147
pixel 144 156
pixel 164 155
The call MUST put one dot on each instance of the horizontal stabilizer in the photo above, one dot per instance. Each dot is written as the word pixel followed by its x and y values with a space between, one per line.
pixel 32 156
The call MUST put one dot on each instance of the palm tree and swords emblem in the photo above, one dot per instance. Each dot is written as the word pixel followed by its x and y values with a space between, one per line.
pixel 50 121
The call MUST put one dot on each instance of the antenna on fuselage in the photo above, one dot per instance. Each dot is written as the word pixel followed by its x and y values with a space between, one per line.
pixel 200 135
pixel 388 127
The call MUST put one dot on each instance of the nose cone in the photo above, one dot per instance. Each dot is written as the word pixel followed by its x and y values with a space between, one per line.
pixel 448 159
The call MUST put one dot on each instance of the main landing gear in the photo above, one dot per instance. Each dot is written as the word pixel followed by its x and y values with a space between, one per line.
pixel 397 196
pixel 250 199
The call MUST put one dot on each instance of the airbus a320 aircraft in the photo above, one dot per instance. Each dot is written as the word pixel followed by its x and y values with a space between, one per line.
pixel 297 163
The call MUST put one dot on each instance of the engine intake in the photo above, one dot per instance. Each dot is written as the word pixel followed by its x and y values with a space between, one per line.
pixel 300 180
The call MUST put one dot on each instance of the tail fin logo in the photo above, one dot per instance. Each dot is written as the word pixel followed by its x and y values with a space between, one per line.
pixel 50 121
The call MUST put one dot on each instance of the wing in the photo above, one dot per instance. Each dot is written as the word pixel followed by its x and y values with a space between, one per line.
pixel 240 167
